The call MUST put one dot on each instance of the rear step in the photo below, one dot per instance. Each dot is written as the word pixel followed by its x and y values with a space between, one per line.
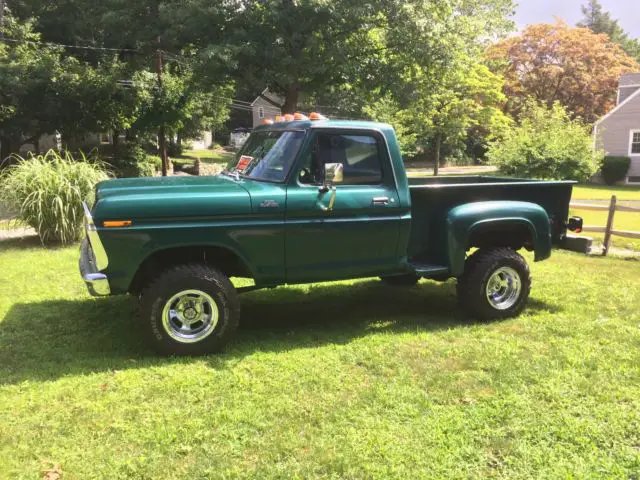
pixel 423 269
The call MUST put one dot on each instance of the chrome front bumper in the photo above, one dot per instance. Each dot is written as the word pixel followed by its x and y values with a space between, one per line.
pixel 93 259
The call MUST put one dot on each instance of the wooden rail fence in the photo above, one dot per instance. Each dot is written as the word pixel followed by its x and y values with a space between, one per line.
pixel 608 230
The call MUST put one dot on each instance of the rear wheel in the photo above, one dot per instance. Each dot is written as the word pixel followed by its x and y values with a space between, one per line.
pixel 189 310
pixel 495 284
pixel 401 280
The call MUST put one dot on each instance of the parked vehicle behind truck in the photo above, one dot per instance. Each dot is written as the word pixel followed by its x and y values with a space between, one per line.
pixel 309 201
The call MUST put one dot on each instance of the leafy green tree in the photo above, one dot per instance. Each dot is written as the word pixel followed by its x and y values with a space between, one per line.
pixel 307 47
pixel 600 21
pixel 180 105
pixel 44 92
pixel 467 97
pixel 546 144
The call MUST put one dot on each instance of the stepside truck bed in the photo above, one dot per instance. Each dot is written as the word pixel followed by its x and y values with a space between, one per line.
pixel 433 197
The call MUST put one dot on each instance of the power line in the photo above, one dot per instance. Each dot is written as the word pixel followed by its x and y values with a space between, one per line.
pixel 80 47
pixel 235 103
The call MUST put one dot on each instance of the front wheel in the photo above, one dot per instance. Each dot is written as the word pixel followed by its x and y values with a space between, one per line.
pixel 189 310
pixel 495 284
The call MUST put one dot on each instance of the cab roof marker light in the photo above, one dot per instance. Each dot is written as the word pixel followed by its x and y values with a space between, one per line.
pixel 267 121
pixel 316 116
pixel 288 117
pixel 300 116
pixel 279 118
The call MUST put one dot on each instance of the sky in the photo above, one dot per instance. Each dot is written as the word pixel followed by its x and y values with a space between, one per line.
pixel 627 12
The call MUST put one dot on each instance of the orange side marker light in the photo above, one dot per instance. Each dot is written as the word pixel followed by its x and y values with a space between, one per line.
pixel 116 223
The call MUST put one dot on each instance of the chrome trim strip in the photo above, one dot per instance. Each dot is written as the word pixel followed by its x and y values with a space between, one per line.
pixel 102 261
pixel 97 284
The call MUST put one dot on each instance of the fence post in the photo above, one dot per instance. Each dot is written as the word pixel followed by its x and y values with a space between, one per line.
pixel 607 232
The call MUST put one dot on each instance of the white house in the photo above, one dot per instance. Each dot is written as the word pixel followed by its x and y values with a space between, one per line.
pixel 618 132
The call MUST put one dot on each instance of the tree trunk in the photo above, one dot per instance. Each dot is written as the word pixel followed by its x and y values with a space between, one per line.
pixel 179 141
pixel 1 18
pixel 5 150
pixel 115 140
pixel 291 94
pixel 436 164
pixel 163 151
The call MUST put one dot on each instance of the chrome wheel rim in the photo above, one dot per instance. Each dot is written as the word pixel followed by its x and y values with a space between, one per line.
pixel 503 288
pixel 190 316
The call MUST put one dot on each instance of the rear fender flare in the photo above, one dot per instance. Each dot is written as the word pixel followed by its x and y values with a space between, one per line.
pixel 464 220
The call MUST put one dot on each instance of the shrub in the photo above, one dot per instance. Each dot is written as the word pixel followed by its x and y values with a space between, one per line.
pixel 614 169
pixel 131 160
pixel 47 191
pixel 546 144
pixel 174 149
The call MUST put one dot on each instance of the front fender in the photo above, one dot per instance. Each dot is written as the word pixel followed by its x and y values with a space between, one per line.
pixel 464 220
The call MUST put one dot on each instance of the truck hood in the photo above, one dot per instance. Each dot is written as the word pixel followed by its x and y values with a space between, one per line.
pixel 183 197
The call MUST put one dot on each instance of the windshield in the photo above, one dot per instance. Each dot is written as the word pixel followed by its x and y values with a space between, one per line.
pixel 267 155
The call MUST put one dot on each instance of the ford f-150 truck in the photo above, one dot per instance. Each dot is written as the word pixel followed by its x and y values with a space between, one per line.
pixel 312 200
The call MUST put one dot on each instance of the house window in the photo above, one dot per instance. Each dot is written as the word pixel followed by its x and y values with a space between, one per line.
pixel 261 112
pixel 634 144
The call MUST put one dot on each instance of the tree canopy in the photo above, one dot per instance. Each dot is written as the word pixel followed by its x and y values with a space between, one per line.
pixel 599 21
pixel 555 62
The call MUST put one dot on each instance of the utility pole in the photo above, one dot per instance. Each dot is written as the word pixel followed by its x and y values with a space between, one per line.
pixel 2 18
pixel 161 137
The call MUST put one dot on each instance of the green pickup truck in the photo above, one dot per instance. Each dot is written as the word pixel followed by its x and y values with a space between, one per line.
pixel 311 201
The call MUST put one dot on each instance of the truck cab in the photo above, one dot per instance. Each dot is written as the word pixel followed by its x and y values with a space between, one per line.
pixel 311 200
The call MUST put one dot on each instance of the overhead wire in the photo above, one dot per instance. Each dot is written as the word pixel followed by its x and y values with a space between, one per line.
pixel 234 102
pixel 79 47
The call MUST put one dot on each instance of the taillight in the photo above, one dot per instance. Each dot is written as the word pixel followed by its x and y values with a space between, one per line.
pixel 575 224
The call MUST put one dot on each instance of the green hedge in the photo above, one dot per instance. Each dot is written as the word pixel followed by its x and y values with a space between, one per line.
pixel 614 169
pixel 133 161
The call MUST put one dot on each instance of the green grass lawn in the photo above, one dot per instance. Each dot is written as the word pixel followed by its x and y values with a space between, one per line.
pixel 205 156
pixel 604 192
pixel 339 380
pixel 622 220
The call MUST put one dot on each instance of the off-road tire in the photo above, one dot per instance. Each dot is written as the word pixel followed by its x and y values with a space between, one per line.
pixel 472 284
pixel 157 293
pixel 407 280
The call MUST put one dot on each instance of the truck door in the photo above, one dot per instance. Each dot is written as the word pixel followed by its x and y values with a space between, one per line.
pixel 357 233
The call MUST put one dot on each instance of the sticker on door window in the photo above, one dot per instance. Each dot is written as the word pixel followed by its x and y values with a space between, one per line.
pixel 243 163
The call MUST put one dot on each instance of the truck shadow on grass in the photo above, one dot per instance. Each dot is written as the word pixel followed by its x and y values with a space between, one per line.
pixel 52 339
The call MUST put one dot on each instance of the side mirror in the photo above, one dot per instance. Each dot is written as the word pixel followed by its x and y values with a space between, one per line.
pixel 333 173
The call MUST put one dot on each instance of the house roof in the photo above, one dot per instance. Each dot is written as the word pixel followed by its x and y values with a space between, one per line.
pixel 619 106
pixel 629 80
pixel 270 97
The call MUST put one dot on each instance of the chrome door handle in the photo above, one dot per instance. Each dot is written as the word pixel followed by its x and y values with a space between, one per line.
pixel 332 198
pixel 380 201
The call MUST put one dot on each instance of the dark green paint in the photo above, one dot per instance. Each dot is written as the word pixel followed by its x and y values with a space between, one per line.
pixel 282 234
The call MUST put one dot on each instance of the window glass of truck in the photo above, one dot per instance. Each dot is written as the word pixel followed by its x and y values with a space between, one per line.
pixel 268 155
pixel 359 154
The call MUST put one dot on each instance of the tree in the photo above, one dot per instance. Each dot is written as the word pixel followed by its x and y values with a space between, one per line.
pixel 599 21
pixel 43 91
pixel 468 96
pixel 308 47
pixel 546 144
pixel 574 66
pixel 136 31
